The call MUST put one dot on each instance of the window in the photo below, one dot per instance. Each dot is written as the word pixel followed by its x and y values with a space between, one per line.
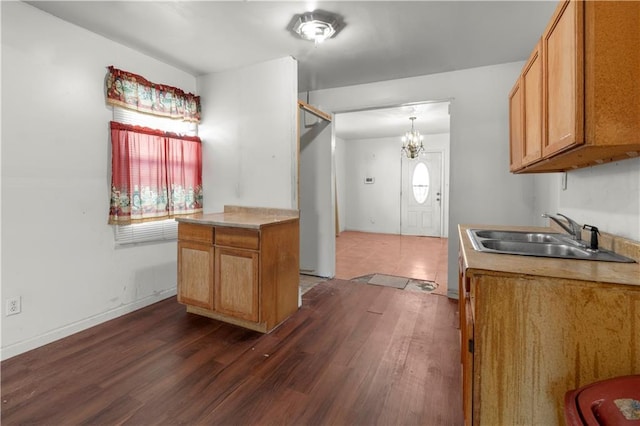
pixel 420 183
pixel 148 146
pixel 156 171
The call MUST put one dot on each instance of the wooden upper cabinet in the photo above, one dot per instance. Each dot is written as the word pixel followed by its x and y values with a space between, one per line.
pixel 525 114
pixel 563 79
pixel 588 68
pixel 531 82
pixel 515 127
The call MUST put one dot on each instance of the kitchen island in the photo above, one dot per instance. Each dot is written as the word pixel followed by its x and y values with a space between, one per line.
pixel 533 328
pixel 240 266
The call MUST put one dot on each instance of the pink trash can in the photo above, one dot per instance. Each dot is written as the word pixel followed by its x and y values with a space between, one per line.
pixel 609 402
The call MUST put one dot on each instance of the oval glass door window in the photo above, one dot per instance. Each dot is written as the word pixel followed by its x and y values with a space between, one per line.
pixel 420 183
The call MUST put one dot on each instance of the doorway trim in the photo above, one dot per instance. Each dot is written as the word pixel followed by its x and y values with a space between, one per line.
pixel 387 106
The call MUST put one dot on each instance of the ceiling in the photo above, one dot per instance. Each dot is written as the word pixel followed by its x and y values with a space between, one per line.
pixel 431 118
pixel 382 40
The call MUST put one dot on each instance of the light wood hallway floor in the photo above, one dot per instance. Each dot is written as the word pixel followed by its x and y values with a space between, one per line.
pixel 421 258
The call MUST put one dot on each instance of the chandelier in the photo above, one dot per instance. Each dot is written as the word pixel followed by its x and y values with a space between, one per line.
pixel 412 142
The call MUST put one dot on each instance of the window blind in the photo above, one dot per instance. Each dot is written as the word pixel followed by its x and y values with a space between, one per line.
pixel 140 233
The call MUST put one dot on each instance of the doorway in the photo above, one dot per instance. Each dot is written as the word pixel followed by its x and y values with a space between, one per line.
pixel 369 169
pixel 333 179
pixel 421 195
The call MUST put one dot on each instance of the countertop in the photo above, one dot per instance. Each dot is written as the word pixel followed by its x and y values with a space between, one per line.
pixel 243 217
pixel 476 262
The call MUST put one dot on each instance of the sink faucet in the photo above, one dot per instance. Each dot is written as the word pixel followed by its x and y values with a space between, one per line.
pixel 574 229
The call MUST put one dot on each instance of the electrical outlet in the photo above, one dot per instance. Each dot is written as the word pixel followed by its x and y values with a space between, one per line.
pixel 13 306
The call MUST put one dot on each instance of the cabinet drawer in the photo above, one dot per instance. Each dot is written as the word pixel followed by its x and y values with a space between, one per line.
pixel 191 232
pixel 238 237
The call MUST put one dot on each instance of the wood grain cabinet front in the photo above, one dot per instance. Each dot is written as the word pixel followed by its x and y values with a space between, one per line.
pixel 236 283
pixel 247 276
pixel 516 127
pixel 195 273
pixel 532 108
pixel 525 114
pixel 579 98
pixel 563 78
pixel 466 341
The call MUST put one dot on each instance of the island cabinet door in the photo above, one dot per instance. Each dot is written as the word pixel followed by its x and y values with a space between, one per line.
pixel 195 274
pixel 236 283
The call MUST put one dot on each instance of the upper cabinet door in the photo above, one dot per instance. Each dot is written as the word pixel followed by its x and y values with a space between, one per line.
pixel 531 83
pixel 563 81
pixel 515 127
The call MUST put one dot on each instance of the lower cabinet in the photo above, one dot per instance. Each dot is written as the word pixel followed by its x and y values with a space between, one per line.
pixel 527 340
pixel 247 277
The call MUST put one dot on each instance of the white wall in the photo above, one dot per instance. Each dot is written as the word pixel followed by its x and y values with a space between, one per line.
pixel 606 196
pixel 481 188
pixel 546 196
pixel 249 136
pixel 376 207
pixel 373 207
pixel 317 222
pixel 58 253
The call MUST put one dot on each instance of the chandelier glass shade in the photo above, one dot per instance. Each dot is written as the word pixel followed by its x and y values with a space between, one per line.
pixel 412 142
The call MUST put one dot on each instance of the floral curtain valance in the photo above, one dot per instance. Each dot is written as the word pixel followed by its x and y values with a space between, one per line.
pixel 132 91
pixel 155 175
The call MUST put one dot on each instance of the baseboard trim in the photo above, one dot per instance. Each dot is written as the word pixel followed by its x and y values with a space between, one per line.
pixel 67 330
pixel 452 294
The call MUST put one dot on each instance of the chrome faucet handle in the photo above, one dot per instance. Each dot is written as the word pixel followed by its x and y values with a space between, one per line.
pixel 575 227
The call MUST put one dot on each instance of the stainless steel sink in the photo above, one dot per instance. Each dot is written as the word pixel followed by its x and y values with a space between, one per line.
pixel 534 237
pixel 538 244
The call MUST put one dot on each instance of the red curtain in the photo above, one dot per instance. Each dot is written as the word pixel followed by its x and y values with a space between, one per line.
pixel 133 91
pixel 155 175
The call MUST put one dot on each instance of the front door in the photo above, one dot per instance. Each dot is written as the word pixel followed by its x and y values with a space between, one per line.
pixel 421 195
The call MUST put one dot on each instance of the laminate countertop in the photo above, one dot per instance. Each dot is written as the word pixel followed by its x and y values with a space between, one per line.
pixel 242 217
pixel 483 263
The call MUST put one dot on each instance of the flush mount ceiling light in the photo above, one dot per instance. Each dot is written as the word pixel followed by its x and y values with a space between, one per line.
pixel 412 142
pixel 316 26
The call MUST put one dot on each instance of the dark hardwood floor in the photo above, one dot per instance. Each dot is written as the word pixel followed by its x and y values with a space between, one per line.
pixel 354 354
